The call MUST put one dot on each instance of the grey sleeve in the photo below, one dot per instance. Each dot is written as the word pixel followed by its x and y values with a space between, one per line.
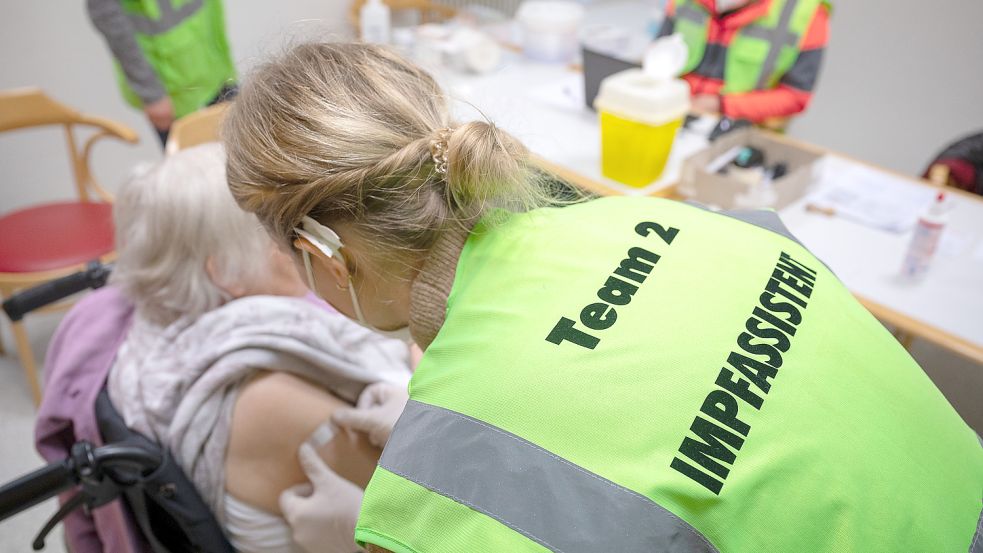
pixel 109 19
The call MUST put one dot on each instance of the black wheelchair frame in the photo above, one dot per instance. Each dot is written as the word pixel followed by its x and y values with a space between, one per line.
pixel 168 511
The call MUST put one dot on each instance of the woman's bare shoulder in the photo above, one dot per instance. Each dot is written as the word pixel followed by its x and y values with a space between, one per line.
pixel 274 414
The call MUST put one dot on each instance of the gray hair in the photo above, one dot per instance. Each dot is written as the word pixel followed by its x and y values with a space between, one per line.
pixel 174 219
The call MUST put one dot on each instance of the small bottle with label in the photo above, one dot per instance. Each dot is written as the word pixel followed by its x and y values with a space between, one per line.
pixel 375 22
pixel 925 240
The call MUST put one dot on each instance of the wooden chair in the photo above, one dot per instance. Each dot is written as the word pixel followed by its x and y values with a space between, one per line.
pixel 429 12
pixel 196 128
pixel 51 240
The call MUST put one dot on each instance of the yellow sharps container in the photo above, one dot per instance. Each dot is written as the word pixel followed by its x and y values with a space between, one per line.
pixel 639 116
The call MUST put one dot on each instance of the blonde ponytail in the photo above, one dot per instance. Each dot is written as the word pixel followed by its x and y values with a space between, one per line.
pixel 347 132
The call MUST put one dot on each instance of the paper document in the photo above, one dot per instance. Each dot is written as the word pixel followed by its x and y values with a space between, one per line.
pixel 870 197
pixel 567 94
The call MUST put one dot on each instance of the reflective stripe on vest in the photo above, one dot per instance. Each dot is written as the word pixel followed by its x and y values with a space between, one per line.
pixel 614 373
pixel 544 497
pixel 691 22
pixel 186 45
pixel 168 17
pixel 777 37
pixel 758 55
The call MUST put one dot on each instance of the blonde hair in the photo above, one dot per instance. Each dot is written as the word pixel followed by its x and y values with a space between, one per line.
pixel 170 221
pixel 348 132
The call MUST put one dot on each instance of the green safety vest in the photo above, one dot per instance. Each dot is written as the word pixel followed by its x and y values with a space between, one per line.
pixel 640 375
pixel 184 41
pixel 760 53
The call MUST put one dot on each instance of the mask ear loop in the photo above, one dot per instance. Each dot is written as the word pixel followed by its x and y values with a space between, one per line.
pixel 310 271
pixel 326 250
pixel 358 308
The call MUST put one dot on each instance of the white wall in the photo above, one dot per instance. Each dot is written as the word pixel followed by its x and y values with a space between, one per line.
pixel 901 79
pixel 54 46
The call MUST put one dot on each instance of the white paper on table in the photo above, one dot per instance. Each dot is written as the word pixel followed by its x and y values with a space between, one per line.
pixel 870 197
pixel 954 244
pixel 566 94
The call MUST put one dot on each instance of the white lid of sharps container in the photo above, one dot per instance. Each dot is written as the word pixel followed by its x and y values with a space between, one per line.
pixel 651 95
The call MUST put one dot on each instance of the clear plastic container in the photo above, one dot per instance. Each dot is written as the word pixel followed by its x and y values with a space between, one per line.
pixel 639 116
pixel 550 29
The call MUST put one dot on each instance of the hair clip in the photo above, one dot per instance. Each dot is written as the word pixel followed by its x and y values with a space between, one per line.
pixel 438 150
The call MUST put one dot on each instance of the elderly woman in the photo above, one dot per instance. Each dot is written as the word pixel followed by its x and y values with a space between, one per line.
pixel 227 363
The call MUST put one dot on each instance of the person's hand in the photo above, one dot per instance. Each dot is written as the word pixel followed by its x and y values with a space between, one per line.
pixel 378 409
pixel 322 514
pixel 706 103
pixel 160 113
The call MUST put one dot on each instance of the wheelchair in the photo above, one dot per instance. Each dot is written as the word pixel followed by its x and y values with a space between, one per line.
pixel 169 513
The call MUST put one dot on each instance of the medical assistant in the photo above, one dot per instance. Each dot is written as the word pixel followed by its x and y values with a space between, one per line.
pixel 636 374
pixel 762 59
pixel 168 48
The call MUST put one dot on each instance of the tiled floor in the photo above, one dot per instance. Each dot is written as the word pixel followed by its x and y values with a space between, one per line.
pixel 961 380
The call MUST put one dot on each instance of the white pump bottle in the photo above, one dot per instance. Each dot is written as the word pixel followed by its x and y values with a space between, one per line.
pixel 375 22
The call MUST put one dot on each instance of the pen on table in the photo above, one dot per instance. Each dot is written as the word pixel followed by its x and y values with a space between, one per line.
pixel 814 208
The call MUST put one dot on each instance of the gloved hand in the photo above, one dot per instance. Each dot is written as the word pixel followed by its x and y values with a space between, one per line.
pixel 322 514
pixel 376 413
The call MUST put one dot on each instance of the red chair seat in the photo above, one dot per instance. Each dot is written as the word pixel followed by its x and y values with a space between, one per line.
pixel 55 236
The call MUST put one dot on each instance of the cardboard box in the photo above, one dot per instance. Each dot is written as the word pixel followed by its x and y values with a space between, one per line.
pixel 721 190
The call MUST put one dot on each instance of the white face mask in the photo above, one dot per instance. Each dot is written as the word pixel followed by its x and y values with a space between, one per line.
pixel 330 245
pixel 727 5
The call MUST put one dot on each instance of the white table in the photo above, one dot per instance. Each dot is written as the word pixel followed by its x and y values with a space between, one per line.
pixel 946 306
pixel 543 106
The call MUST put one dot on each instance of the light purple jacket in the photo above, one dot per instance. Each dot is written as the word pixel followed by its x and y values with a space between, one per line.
pixel 78 362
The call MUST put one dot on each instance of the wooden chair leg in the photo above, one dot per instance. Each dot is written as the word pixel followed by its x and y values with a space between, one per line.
pixel 27 360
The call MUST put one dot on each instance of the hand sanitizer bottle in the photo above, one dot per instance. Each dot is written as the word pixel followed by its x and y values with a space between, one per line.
pixel 374 19
pixel 925 240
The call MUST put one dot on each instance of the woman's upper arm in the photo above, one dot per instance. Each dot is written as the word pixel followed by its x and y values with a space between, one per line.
pixel 274 414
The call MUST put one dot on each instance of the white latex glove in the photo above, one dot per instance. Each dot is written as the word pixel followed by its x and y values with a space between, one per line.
pixel 376 413
pixel 322 514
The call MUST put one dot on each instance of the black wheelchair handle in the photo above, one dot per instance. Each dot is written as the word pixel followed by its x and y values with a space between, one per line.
pixel 87 464
pixel 22 303
pixel 35 487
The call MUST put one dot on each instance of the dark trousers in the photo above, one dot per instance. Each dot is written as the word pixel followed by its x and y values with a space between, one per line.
pixel 228 92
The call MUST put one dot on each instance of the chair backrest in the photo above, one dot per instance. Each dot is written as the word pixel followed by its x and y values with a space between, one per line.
pixel 30 107
pixel 196 128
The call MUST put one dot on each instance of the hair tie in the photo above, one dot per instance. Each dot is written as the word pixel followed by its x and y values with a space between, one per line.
pixel 438 149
